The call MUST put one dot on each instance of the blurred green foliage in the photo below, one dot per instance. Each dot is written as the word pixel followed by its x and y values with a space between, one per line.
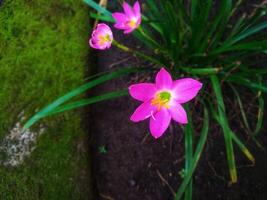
pixel 43 54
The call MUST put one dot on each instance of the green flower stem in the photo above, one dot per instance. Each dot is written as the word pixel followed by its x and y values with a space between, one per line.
pixel 136 53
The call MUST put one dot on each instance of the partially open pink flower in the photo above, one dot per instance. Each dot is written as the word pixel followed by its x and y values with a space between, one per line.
pixel 162 101
pixel 130 19
pixel 101 37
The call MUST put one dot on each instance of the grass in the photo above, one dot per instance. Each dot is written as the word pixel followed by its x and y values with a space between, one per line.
pixel 43 53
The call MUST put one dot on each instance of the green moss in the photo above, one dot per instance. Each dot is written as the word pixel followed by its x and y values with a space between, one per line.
pixel 43 53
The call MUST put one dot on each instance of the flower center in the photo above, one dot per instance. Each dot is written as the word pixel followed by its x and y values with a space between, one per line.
pixel 161 100
pixel 104 39
pixel 132 23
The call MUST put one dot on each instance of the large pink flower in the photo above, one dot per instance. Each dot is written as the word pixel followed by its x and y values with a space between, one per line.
pixel 162 101
pixel 102 37
pixel 130 19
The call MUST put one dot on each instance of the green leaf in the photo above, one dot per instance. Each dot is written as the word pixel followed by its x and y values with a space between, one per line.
pixel 189 130
pixel 244 23
pixel 199 25
pixel 201 71
pixel 247 33
pixel 243 114
pixel 221 22
pixel 146 36
pixel 154 25
pixel 236 28
pixel 102 17
pixel 246 82
pixel 197 154
pixel 242 147
pixel 239 143
pixel 194 4
pixel 153 8
pixel 226 129
pixel 217 26
pixel 260 115
pixel 88 101
pixel 98 8
pixel 78 91
pixel 260 111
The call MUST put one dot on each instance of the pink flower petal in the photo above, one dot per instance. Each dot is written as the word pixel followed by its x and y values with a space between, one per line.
pixel 127 31
pixel 101 26
pixel 159 123
pixel 144 111
pixel 103 29
pixel 178 113
pixel 137 9
pixel 185 89
pixel 119 17
pixel 128 9
pixel 120 26
pixel 138 21
pixel 143 91
pixel 94 44
pixel 163 79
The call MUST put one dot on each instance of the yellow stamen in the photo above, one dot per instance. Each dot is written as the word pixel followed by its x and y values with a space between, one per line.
pixel 132 23
pixel 161 100
pixel 104 39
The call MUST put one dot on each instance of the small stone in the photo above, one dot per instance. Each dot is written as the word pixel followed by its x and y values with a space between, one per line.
pixel 132 183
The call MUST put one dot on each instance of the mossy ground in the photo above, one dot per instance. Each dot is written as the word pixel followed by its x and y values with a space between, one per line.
pixel 43 54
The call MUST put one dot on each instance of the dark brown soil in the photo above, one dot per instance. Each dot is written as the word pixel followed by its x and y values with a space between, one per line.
pixel 135 166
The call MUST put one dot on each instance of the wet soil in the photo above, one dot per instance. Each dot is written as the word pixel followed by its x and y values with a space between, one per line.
pixel 129 164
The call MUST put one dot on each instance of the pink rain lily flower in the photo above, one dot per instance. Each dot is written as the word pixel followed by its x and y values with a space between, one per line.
pixel 130 19
pixel 162 101
pixel 102 37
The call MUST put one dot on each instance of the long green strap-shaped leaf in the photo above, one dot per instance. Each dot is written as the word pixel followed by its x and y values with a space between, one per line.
pixel 201 71
pixel 98 8
pixel 220 19
pixel 78 91
pixel 246 82
pixel 242 147
pixel 197 154
pixel 248 32
pixel 88 101
pixel 226 129
pixel 220 25
pixel 102 17
pixel 239 143
pixel 243 114
pixel 246 46
pixel 199 25
pixel 188 152
pixel 260 116
pixel 244 117
pixel 146 36
pixel 194 4
pixel 154 11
